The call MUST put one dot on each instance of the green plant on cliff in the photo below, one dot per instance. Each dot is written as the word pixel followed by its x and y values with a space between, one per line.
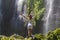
pixel 37 8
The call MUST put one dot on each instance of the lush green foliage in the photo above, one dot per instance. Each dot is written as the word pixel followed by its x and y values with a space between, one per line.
pixel 37 9
pixel 51 35
pixel 37 6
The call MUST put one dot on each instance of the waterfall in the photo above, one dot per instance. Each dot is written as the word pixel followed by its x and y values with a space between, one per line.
pixel 10 20
pixel 21 7
pixel 17 22
pixel 51 15
pixel 48 13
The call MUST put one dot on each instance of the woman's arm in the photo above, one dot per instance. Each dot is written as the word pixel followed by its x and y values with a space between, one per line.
pixel 25 16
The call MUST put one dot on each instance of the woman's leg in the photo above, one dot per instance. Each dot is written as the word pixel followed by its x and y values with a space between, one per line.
pixel 29 32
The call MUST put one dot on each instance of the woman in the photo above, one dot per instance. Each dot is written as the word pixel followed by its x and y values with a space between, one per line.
pixel 29 26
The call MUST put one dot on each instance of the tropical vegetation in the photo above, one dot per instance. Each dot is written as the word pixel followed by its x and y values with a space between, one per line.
pixel 51 35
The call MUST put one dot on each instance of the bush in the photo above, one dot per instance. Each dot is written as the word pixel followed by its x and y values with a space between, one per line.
pixel 51 35
pixel 39 37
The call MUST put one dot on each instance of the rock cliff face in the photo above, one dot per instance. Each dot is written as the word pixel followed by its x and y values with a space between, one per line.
pixel 9 20
pixel 7 11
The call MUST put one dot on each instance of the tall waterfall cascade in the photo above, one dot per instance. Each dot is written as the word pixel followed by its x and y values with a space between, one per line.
pixel 51 16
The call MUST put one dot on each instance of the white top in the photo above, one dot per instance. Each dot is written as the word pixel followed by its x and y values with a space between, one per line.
pixel 30 26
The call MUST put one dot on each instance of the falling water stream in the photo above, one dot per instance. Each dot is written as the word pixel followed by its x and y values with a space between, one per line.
pixel 52 14
pixel 17 22
pixel 10 20
pixel 49 8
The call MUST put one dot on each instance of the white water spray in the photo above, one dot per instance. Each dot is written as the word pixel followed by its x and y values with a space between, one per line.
pixel 19 7
pixel 49 8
